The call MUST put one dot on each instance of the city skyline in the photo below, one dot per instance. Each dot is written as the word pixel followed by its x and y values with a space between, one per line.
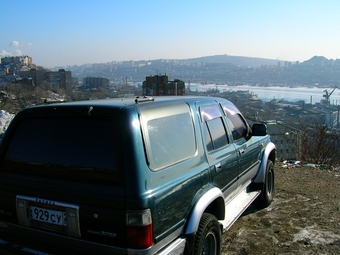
pixel 62 33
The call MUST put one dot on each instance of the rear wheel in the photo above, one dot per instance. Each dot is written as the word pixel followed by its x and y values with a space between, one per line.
pixel 267 192
pixel 208 236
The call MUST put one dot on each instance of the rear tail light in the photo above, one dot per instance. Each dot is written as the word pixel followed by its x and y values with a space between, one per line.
pixel 139 229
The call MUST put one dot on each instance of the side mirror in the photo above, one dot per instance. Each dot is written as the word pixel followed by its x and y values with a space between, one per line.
pixel 259 129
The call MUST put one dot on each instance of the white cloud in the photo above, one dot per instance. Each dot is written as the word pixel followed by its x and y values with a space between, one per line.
pixel 17 52
pixel 4 53
pixel 14 44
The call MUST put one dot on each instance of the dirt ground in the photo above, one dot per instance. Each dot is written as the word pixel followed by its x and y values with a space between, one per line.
pixel 304 217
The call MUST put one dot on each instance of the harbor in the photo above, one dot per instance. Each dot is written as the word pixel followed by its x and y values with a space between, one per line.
pixel 308 95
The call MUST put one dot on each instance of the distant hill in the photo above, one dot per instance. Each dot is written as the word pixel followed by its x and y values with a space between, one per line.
pixel 318 61
pixel 235 60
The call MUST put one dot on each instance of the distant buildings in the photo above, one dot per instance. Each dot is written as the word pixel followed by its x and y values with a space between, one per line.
pixel 159 85
pixel 95 82
pixel 286 141
pixel 331 118
pixel 59 80
pixel 20 69
pixel 36 75
pixel 24 60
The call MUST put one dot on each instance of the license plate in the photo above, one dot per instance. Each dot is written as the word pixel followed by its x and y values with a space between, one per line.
pixel 48 216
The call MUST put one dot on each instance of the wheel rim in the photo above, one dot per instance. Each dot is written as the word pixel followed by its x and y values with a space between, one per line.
pixel 210 244
pixel 270 183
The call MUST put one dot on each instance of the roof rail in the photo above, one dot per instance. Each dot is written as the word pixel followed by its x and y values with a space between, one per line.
pixel 143 99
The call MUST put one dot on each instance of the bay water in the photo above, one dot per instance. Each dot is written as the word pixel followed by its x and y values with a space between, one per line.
pixel 307 94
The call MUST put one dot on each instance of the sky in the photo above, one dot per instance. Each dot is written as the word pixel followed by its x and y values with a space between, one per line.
pixel 76 32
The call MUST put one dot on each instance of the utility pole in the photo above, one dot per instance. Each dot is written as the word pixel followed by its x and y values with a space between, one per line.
pixel 338 125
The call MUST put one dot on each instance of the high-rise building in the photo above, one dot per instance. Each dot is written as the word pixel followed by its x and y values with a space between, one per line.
pixel 159 85
pixel 36 75
pixel 95 82
pixel 61 79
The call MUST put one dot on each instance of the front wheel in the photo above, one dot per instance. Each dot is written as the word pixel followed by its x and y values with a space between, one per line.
pixel 208 236
pixel 267 192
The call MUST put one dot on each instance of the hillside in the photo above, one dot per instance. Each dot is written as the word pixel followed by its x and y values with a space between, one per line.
pixel 234 60
pixel 303 219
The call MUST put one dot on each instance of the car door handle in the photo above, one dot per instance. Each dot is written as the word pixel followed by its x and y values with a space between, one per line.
pixel 241 152
pixel 218 167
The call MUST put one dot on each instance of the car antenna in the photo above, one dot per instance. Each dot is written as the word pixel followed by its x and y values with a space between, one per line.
pixel 89 111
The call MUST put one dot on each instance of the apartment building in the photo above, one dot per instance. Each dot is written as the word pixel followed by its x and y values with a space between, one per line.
pixel 95 82
pixel 159 85
pixel 59 79
pixel 286 141
pixel 36 75
pixel 332 119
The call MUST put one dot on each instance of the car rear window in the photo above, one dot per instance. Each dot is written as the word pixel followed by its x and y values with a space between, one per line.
pixel 169 134
pixel 64 147
pixel 214 130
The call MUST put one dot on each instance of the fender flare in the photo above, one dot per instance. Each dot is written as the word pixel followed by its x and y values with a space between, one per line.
pixel 261 176
pixel 201 205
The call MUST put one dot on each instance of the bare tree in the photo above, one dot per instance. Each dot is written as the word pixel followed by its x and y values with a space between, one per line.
pixel 16 96
pixel 4 96
pixel 318 144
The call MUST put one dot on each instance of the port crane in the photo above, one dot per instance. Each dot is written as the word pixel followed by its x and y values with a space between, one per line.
pixel 327 95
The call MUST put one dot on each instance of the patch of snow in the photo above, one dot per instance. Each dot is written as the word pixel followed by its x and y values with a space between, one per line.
pixel 5 120
pixel 316 237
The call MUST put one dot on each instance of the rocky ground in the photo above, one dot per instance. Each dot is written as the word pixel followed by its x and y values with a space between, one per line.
pixel 303 219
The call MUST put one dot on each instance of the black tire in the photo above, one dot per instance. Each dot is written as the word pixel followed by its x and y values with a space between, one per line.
pixel 267 192
pixel 208 236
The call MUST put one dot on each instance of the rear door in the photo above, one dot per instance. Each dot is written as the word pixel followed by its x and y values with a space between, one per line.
pixel 221 153
pixel 62 175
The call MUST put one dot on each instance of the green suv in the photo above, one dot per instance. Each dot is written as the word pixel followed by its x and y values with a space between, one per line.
pixel 162 175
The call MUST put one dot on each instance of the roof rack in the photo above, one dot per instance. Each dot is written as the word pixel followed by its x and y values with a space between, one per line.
pixel 143 99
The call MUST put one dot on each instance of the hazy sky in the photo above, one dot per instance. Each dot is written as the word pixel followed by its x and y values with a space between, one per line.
pixel 75 32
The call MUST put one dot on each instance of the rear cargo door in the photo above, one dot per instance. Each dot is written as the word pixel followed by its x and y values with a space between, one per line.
pixel 62 175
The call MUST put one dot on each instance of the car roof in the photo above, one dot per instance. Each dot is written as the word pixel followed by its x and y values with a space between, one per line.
pixel 109 107
pixel 125 102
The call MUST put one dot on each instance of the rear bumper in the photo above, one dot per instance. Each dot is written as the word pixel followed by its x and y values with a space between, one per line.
pixel 23 240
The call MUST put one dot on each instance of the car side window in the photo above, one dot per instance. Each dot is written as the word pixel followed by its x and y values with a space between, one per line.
pixel 169 135
pixel 238 125
pixel 213 128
